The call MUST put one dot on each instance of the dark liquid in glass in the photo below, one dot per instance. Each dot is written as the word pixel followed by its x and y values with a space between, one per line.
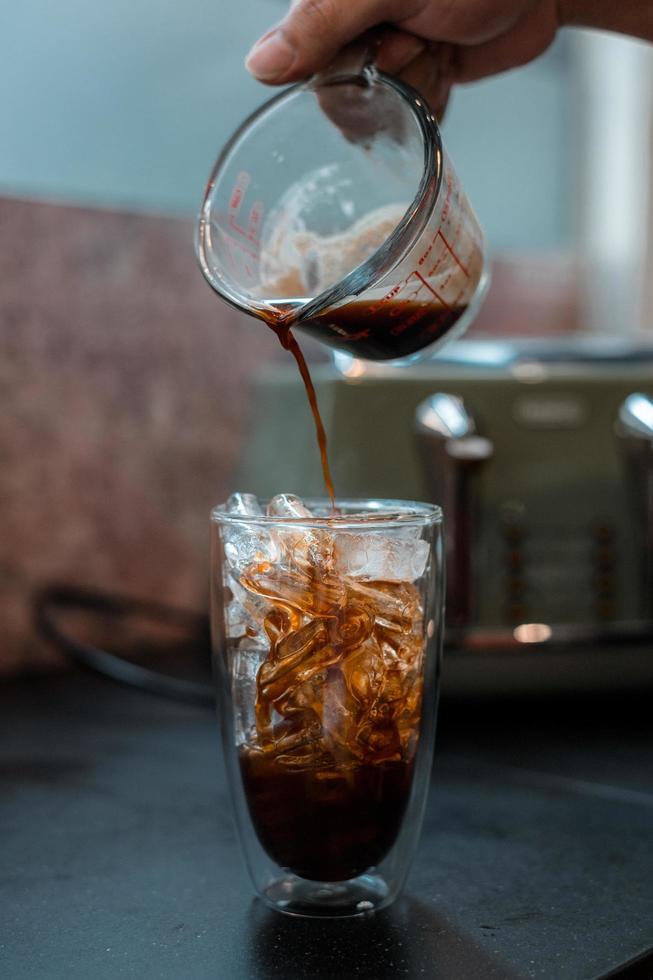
pixel 324 824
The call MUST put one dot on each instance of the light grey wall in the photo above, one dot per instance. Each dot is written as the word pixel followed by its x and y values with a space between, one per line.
pixel 126 102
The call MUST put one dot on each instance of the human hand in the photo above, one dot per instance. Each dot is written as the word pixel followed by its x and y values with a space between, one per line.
pixel 431 44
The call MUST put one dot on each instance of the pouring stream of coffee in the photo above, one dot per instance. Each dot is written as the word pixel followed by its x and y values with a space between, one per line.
pixel 289 342
pixel 365 242
pixel 304 263
pixel 350 61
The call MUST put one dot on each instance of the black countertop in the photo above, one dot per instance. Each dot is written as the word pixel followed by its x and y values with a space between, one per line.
pixel 119 858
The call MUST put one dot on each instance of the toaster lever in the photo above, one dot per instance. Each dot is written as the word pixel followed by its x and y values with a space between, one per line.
pixel 452 453
pixel 634 429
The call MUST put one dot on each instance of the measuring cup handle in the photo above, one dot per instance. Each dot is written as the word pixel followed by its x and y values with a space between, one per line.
pixel 352 60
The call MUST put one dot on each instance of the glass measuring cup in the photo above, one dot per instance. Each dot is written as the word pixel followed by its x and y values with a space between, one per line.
pixel 335 209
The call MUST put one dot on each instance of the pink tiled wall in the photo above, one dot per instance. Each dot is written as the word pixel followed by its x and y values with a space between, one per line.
pixel 123 384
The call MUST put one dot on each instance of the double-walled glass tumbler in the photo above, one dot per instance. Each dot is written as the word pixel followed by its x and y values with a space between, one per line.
pixel 327 632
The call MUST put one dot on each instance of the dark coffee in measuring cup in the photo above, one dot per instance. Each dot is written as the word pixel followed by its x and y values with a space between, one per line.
pixel 425 297
pixel 378 332
pixel 368 244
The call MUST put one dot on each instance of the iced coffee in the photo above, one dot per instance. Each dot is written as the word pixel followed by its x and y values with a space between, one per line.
pixel 325 643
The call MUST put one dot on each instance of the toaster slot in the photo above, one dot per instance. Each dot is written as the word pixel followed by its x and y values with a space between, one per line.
pixel 634 431
pixel 452 453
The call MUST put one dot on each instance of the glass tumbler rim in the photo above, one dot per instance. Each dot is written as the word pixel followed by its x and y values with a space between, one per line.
pixel 362 515
pixel 399 241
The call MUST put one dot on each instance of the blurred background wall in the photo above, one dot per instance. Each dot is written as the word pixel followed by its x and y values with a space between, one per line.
pixel 125 104
pixel 124 382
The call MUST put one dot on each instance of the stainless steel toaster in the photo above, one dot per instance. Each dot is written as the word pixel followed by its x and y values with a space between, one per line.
pixel 541 454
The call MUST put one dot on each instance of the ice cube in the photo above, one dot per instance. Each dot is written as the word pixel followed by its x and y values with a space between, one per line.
pixel 245 614
pixel 244 504
pixel 243 625
pixel 340 717
pixel 292 588
pixel 246 544
pixel 396 606
pixel 236 620
pixel 287 505
pixel 244 667
pixel 278 622
pixel 363 671
pixel 304 548
pixel 352 627
pixel 381 557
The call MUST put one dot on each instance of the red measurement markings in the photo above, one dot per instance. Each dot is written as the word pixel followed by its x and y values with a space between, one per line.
pixel 254 222
pixel 447 201
pixel 375 307
pixel 236 261
pixel 244 233
pixel 238 192
pixel 410 320
pixel 235 203
pixel 425 255
pixel 438 262
pixel 237 243
pixel 453 254
pixel 232 262
pixel 424 284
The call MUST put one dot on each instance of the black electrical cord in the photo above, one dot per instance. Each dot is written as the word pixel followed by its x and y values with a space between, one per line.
pixel 50 602
pixel 53 601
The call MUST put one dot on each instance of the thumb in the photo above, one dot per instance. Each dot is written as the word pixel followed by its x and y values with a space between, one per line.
pixel 310 36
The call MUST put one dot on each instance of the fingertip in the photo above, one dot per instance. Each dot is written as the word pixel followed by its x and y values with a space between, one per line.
pixel 272 57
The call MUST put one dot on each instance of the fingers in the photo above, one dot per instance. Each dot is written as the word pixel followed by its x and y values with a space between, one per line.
pixel 396 50
pixel 492 36
pixel 529 37
pixel 432 73
pixel 314 31
pixel 427 67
